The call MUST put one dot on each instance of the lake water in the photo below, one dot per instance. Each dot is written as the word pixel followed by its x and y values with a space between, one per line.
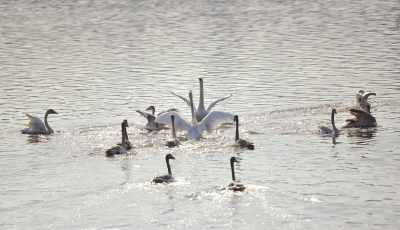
pixel 288 62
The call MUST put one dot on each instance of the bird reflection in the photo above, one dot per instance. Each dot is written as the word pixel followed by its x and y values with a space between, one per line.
pixel 35 139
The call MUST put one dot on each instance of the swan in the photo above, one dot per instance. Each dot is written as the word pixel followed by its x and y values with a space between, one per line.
pixel 151 124
pixel 362 119
pixel 128 144
pixel 234 185
pixel 173 142
pixel 194 129
pixel 327 130
pixel 153 110
pixel 166 178
pixel 201 112
pixel 118 149
pixel 362 98
pixel 36 126
pixel 246 143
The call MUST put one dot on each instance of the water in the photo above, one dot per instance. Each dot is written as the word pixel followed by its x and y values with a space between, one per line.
pixel 288 62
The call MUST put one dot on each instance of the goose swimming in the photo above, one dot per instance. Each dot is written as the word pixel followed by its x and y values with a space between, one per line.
pixel 128 144
pixel 36 126
pixel 194 129
pixel 151 124
pixel 174 141
pixel 361 118
pixel 153 110
pixel 328 130
pixel 118 149
pixel 166 178
pixel 245 143
pixel 362 98
pixel 201 112
pixel 234 185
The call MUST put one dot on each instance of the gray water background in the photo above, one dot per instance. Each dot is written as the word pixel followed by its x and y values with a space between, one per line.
pixel 288 62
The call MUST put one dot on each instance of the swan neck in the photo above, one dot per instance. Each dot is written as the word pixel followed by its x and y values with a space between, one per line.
pixel 335 130
pixel 173 127
pixel 201 101
pixel 169 167
pixel 123 144
pixel 49 130
pixel 237 129
pixel 233 171
pixel 194 121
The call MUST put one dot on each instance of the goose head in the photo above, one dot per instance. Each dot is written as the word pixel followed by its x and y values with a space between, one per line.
pixel 152 109
pixel 51 111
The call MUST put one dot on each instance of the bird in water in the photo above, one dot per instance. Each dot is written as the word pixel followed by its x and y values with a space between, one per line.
pixel 128 144
pixel 362 99
pixel 195 129
pixel 362 118
pixel 244 143
pixel 118 149
pixel 165 178
pixel 234 185
pixel 153 110
pixel 201 111
pixel 36 126
pixel 151 124
pixel 174 141
pixel 328 130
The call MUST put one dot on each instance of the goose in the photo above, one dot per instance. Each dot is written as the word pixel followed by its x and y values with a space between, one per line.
pixel 194 129
pixel 201 112
pixel 166 178
pixel 153 110
pixel 127 142
pixel 362 119
pixel 173 142
pixel 118 149
pixel 151 124
pixel 327 130
pixel 245 143
pixel 36 126
pixel 234 185
pixel 362 98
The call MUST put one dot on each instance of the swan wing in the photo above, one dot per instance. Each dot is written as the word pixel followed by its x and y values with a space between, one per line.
pixel 180 123
pixel 325 130
pixel 168 110
pixel 212 104
pixel 35 123
pixel 148 116
pixel 181 97
pixel 213 120
pixel 362 115
pixel 367 94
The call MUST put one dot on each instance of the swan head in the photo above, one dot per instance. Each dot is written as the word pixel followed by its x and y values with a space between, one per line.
pixel 235 118
pixel 51 111
pixel 200 79
pixel 126 123
pixel 152 109
pixel 169 156
pixel 334 111
pixel 233 159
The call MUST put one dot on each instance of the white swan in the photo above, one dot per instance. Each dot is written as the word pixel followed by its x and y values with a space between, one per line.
pixel 234 185
pixel 245 143
pixel 362 98
pixel 165 178
pixel 194 129
pixel 362 119
pixel 201 112
pixel 174 141
pixel 118 149
pixel 36 126
pixel 327 130
pixel 153 110
pixel 128 144
pixel 151 124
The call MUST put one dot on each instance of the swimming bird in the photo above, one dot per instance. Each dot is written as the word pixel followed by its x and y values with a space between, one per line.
pixel 118 149
pixel 361 118
pixel 151 124
pixel 201 112
pixel 166 178
pixel 36 126
pixel 234 185
pixel 128 144
pixel 153 110
pixel 174 141
pixel 328 130
pixel 362 98
pixel 245 143
pixel 194 129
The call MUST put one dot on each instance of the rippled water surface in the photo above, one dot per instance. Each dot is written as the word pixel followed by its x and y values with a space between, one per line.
pixel 287 63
